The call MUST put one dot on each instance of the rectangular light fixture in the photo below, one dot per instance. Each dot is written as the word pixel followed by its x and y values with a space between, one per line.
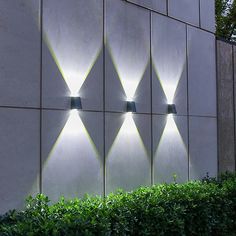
pixel 172 109
pixel 76 103
pixel 131 107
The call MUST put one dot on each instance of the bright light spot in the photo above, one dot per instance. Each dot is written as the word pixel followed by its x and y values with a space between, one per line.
pixel 169 90
pixel 170 125
pixel 130 87
pixel 74 125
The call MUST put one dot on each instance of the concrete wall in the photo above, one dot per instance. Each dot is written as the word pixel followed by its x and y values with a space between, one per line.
pixel 226 104
pixel 154 52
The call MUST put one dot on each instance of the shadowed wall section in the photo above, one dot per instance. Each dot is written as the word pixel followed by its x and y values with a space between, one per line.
pixel 107 52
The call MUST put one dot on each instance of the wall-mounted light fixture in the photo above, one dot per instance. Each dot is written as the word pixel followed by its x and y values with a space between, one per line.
pixel 76 103
pixel 172 109
pixel 131 107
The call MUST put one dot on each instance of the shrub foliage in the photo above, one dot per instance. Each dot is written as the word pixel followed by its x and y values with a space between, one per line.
pixel 195 208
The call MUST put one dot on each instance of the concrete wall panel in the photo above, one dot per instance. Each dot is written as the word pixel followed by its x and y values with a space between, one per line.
pixel 72 53
pixel 169 64
pixel 156 5
pixel 184 10
pixel 19 154
pixel 225 106
pixel 128 151
pixel 201 73
pixel 202 147
pixel 20 53
pixel 127 56
pixel 72 153
pixel 170 144
pixel 207 15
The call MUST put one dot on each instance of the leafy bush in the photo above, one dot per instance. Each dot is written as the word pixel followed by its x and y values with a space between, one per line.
pixel 205 207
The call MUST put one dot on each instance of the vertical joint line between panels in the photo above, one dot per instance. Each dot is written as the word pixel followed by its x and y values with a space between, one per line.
pixel 152 154
pixel 104 114
pixel 200 23
pixel 188 132
pixel 167 7
pixel 41 78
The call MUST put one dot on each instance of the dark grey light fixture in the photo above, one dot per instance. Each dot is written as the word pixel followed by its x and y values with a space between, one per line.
pixel 76 103
pixel 172 109
pixel 131 107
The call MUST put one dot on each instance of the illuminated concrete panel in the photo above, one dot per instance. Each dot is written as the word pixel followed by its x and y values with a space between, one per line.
pixel 207 14
pixel 20 53
pixel 19 168
pixel 169 78
pixel 127 56
pixel 170 148
pixel 72 53
pixel 128 151
pixel 202 147
pixel 184 10
pixel 201 72
pixel 156 5
pixel 72 151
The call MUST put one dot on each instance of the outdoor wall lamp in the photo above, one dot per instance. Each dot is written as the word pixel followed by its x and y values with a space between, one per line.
pixel 172 109
pixel 76 103
pixel 131 107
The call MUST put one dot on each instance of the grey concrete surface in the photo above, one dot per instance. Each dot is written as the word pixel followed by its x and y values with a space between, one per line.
pixel 207 15
pixel 20 53
pixel 169 59
pixel 225 107
pixel 69 65
pixel 82 48
pixel 202 147
pixel 170 148
pixel 201 73
pixel 184 10
pixel 72 153
pixel 128 159
pixel 156 5
pixel 127 56
pixel 19 156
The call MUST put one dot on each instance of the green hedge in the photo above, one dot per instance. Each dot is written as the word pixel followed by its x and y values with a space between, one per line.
pixel 195 208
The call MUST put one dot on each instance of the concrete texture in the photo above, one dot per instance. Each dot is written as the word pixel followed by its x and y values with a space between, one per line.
pixel 169 74
pixel 202 147
pixel 127 56
pixel 170 131
pixel 184 10
pixel 225 107
pixel 128 151
pixel 156 5
pixel 19 155
pixel 69 65
pixel 102 53
pixel 201 73
pixel 72 153
pixel 20 53
pixel 207 15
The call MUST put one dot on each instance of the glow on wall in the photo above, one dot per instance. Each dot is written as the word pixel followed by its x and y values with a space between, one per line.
pixel 127 160
pixel 128 44
pixel 74 164
pixel 170 149
pixel 68 30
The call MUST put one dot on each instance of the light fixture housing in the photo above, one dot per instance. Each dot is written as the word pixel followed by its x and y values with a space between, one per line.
pixel 76 103
pixel 172 109
pixel 131 107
